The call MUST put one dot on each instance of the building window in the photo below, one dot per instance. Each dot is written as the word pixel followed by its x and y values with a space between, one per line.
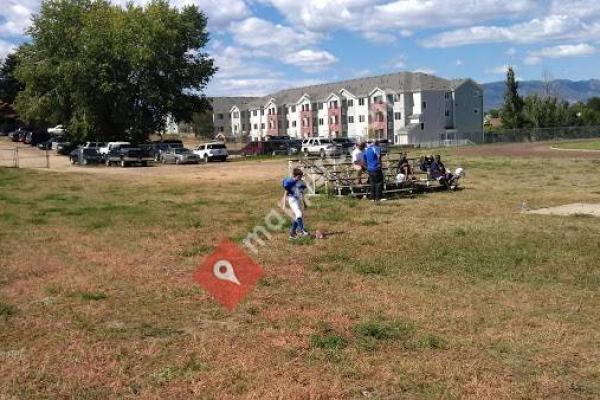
pixel 255 126
pixel 320 106
pixel 447 113
pixel 221 129
pixel 293 124
pixel 350 103
pixel 475 93
pixel 243 127
pixel 262 112
pixel 447 95
pixel 476 110
pixel 424 105
pixel 361 101
pixel 220 116
pixel 333 104
pixel 378 100
pixel 361 118
pixel 262 126
pixel 293 109
pixel 236 114
pixel 397 116
pixel 390 98
pixel 422 126
pixel 320 121
pixel 351 119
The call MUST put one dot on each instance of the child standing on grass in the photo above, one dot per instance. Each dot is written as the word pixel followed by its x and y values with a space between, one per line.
pixel 293 193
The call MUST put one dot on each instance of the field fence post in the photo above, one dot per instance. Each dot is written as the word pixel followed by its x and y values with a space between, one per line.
pixel 16 155
pixel 47 159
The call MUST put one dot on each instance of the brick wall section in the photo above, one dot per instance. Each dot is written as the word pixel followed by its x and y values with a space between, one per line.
pixel 379 110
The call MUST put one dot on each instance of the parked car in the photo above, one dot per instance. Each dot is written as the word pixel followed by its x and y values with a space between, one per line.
pixel 104 150
pixel 212 151
pixel 125 155
pixel 85 156
pixel 58 130
pixel 65 148
pixel 158 148
pixel 321 146
pixel 179 156
pixel 22 136
pixel 271 147
pixel 275 137
pixel 35 137
pixel 14 136
pixel 346 143
pixel 48 144
pixel 94 145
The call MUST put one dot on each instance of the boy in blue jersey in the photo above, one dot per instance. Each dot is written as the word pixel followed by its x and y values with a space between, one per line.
pixel 293 194
pixel 373 161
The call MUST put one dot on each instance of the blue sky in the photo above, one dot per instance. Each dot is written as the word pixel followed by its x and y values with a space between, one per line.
pixel 264 45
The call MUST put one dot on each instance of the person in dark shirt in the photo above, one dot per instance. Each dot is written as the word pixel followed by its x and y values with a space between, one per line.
pixel 403 166
pixel 439 173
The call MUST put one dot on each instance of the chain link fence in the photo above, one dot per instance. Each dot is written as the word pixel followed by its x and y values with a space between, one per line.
pixel 541 134
pixel 20 157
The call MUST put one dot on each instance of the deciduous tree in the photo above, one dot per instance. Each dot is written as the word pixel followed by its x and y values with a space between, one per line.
pixel 109 72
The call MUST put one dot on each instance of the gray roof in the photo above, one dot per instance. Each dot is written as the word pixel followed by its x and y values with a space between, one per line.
pixel 396 82
pixel 224 104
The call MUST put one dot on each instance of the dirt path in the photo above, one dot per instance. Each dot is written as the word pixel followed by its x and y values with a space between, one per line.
pixel 524 150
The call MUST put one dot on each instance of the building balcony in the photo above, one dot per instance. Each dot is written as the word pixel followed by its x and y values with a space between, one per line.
pixel 379 107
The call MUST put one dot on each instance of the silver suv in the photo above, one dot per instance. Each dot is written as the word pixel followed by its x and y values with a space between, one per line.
pixel 321 146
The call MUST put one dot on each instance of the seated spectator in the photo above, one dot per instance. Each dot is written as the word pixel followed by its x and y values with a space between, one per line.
pixel 439 173
pixel 404 167
pixel 358 162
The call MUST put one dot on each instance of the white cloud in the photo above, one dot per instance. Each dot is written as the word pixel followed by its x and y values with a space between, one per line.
pixel 560 51
pixel 381 20
pixel 5 48
pixel 261 34
pixel 268 40
pixel 511 51
pixel 15 16
pixel 553 27
pixel 458 62
pixel 310 60
pixel 501 70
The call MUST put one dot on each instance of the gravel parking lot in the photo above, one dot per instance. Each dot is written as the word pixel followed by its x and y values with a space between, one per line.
pixel 30 157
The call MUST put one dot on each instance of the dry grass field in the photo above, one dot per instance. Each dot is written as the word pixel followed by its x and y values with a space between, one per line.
pixel 440 296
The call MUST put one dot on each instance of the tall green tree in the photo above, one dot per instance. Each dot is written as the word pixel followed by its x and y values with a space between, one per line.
pixel 512 109
pixel 109 72
pixel 9 85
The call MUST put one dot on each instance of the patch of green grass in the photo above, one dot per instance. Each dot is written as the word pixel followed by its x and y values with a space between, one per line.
pixel 7 310
pixel 368 222
pixel 369 268
pixel 371 333
pixel 88 296
pixel 196 250
pixel 580 145
pixel 328 342
pixel 430 341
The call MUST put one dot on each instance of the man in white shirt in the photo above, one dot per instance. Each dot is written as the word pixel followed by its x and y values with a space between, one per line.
pixel 358 161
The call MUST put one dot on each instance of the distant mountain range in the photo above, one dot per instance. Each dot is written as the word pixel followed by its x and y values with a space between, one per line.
pixel 571 91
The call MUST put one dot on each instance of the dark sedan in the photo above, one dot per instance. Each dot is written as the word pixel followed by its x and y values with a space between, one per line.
pixel 65 148
pixel 85 156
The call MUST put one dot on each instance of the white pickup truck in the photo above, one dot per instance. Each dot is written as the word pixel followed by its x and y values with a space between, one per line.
pixel 104 150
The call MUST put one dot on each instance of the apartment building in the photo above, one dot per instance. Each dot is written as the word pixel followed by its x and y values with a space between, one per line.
pixel 404 107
